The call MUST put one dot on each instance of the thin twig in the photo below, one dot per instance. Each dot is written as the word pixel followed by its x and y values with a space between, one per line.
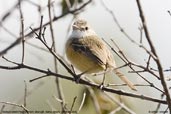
pixel 82 102
pixel 124 32
pixel 9 12
pixel 22 30
pixel 166 111
pixel 95 100
pixel 81 81
pixel 116 21
pixel 163 82
pixel 59 100
pixel 58 85
pixel 74 100
pixel 17 105
pixel 56 56
pixel 141 33
pixel 68 4
pixel 169 12
pixel 25 94
pixel 2 108
pixel 18 41
pixel 131 64
pixel 46 75
pixel 126 85
pixel 115 110
pixel 120 104
pixel 148 61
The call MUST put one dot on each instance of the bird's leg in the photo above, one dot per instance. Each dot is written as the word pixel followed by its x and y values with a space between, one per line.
pixel 78 76
pixel 103 81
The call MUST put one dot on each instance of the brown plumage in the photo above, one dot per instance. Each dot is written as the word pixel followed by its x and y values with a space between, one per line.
pixel 88 53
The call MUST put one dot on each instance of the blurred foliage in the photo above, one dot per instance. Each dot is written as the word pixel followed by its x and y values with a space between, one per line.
pixel 105 103
pixel 67 4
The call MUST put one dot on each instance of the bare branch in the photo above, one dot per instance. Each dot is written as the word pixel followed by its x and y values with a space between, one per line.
pixel 125 85
pixel 59 87
pixel 22 30
pixel 130 64
pixel 9 12
pixel 25 94
pixel 74 100
pixel 2 108
pixel 163 82
pixel 82 102
pixel 116 110
pixel 81 81
pixel 16 42
pixel 95 101
pixel 17 105
pixel 121 105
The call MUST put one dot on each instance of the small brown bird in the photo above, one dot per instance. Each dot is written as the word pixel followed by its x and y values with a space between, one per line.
pixel 88 53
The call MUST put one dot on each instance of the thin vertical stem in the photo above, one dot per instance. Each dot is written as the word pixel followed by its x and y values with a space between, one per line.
pixel 59 88
pixel 22 30
pixel 25 93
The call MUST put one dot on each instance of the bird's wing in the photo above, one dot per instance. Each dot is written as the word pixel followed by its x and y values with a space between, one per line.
pixel 92 47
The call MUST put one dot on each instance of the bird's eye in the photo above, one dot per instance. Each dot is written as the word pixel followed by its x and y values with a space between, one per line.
pixel 86 28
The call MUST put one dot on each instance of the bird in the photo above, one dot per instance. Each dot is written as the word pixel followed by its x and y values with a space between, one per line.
pixel 88 53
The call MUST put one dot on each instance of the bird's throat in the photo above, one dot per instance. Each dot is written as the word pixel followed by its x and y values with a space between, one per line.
pixel 82 34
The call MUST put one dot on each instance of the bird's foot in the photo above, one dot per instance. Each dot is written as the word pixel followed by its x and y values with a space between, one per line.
pixel 101 85
pixel 77 78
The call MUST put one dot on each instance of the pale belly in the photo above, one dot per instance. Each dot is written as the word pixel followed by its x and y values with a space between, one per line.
pixel 82 62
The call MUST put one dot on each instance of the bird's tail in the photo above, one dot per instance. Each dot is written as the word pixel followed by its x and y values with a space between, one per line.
pixel 125 79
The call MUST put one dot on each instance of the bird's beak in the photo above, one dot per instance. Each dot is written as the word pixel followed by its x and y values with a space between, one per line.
pixel 75 27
